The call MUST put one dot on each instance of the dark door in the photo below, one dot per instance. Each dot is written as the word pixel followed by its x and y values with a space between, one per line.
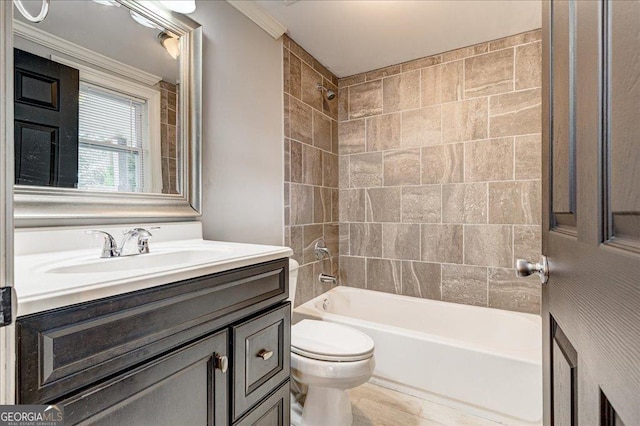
pixel 184 387
pixel 46 121
pixel 591 211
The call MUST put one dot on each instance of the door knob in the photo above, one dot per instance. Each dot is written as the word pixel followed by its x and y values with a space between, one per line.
pixel 524 268
pixel 221 362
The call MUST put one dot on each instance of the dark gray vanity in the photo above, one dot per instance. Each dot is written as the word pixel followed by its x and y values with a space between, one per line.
pixel 212 350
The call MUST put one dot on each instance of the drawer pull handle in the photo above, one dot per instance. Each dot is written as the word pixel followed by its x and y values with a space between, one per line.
pixel 221 363
pixel 265 354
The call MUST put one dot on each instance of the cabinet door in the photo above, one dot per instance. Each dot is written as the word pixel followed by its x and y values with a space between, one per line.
pixel 183 387
pixel 273 411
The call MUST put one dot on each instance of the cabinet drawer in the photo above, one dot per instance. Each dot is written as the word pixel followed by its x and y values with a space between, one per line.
pixel 183 387
pixel 274 411
pixel 64 350
pixel 261 357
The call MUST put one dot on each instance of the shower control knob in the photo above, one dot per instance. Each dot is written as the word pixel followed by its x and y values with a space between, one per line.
pixel 524 268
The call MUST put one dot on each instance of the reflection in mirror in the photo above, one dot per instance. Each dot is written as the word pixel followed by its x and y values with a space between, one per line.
pixel 97 91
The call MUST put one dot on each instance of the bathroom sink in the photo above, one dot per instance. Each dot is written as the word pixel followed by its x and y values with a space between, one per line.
pixel 180 258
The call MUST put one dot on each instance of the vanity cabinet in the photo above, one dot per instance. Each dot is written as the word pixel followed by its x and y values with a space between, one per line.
pixel 213 350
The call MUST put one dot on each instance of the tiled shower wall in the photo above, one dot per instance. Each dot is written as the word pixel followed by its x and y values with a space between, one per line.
pixel 168 136
pixel 311 167
pixel 440 175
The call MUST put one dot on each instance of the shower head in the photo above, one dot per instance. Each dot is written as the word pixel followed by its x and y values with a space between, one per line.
pixel 329 93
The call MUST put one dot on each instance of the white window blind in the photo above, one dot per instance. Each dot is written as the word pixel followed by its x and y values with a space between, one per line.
pixel 111 140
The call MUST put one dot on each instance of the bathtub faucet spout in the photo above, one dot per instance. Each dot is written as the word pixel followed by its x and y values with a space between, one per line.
pixel 325 278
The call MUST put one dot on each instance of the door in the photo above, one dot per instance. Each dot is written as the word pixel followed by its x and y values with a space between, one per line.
pixel 7 298
pixel 46 121
pixel 591 211
pixel 188 386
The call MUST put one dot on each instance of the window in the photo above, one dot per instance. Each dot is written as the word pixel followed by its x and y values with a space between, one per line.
pixel 111 154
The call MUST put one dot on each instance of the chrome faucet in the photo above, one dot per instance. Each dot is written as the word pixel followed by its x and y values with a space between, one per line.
pixel 111 249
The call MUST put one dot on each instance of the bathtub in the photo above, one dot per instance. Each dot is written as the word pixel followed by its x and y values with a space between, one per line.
pixel 483 361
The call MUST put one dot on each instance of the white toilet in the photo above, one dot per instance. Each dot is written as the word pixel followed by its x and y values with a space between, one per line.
pixel 327 359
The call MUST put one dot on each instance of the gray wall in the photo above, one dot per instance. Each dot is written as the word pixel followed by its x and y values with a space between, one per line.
pixel 243 178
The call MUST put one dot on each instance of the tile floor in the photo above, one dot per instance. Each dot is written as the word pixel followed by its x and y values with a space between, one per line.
pixel 377 406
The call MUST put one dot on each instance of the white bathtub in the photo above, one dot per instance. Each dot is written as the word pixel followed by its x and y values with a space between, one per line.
pixel 480 360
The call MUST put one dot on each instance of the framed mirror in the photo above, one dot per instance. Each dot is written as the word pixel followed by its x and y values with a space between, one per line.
pixel 107 113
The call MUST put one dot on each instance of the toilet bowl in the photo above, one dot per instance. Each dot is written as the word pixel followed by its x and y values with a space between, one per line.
pixel 327 359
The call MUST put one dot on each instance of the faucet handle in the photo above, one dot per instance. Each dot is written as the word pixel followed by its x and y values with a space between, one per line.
pixel 143 238
pixel 110 246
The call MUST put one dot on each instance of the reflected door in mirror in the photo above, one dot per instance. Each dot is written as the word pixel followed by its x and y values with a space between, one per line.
pixel 45 122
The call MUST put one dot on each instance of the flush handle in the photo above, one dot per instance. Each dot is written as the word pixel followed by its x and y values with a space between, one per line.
pixel 265 354
pixel 524 268
pixel 221 363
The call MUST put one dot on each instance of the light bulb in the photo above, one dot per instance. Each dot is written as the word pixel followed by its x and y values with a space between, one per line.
pixel 170 43
pixel 180 6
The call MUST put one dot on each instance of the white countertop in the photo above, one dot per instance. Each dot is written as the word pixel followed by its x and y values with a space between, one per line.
pixel 43 283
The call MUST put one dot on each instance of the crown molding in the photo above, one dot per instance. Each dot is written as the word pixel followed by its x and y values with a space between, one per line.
pixel 261 17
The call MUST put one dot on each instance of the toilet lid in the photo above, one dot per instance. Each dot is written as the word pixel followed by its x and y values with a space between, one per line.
pixel 328 341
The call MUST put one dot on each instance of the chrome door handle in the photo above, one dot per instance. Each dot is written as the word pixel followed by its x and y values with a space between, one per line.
pixel 221 363
pixel 524 268
pixel 265 354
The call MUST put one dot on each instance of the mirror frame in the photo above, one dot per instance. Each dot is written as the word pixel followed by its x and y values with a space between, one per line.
pixel 47 206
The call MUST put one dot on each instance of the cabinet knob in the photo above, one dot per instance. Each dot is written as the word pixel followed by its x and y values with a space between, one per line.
pixel 265 354
pixel 221 363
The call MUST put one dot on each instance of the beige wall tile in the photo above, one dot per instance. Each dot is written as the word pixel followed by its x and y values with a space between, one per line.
pixel 365 99
pixel 515 202
pixel 287 115
pixel 297 242
pixel 335 205
pixel 517 113
pixel 488 245
pixel 366 239
pixel 352 271
pixel 464 120
pixel 464 203
pixel 421 204
pixel 343 165
pixel 300 52
pixel 345 239
pixel 296 162
pixel 464 284
pixel 352 205
pixel 334 137
pixel 304 290
pixel 490 159
pixel 330 107
pixel 421 63
pixel 365 170
pixel 528 157
pixel 329 170
pixel 506 291
pixel 421 127
pixel 402 167
pixel 321 204
pixel 300 121
pixel 526 243
pixel 522 38
pixel 529 66
pixel 310 93
pixel 488 74
pixel 465 52
pixel 287 160
pixel 351 80
pixel 311 165
pixel 421 279
pixel 286 75
pixel 384 275
pixel 301 204
pixel 312 233
pixel 401 92
pixel 401 241
pixel 295 80
pixel 443 163
pixel 321 131
pixel 343 104
pixel 441 243
pixel 351 135
pixel 442 83
pixel 383 204
pixel 382 72
pixel 383 132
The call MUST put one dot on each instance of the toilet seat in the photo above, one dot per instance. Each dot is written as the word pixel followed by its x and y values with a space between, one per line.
pixel 326 341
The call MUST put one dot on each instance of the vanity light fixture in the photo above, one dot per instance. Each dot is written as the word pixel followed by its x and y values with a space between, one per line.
pixel 172 44
pixel 44 11
pixel 107 2
pixel 143 21
pixel 180 6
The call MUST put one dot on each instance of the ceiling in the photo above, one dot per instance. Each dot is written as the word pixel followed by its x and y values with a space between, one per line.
pixel 351 36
